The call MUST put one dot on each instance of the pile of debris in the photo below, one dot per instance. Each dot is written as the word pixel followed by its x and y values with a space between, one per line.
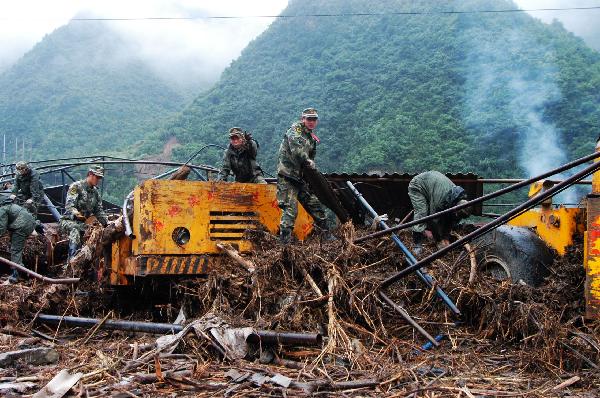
pixel 511 340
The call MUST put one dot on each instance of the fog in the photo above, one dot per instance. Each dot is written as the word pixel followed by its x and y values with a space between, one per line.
pixel 186 51
pixel 196 51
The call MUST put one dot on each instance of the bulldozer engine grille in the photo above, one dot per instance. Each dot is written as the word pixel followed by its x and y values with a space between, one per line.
pixel 231 225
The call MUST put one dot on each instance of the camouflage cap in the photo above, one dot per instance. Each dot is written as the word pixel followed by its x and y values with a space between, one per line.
pixel 97 171
pixel 236 131
pixel 310 112
pixel 21 166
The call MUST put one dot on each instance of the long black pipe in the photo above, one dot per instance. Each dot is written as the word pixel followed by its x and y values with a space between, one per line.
pixel 495 223
pixel 262 336
pixel 482 198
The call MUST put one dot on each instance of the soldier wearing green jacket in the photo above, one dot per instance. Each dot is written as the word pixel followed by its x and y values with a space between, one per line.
pixel 20 224
pixel 297 151
pixel 83 200
pixel 431 192
pixel 239 158
pixel 28 188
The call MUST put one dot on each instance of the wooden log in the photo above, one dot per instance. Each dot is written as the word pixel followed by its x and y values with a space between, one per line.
pixel 231 252
pixel 566 383
pixel 181 174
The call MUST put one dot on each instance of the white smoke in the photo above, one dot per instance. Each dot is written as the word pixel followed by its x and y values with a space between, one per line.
pixel 514 77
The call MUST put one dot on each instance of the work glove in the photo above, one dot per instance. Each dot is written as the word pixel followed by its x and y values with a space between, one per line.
pixel 39 228
pixel 78 216
pixel 13 197
pixel 310 164
pixel 378 219
pixel 29 201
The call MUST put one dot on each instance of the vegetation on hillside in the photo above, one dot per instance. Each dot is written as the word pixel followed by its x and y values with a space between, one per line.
pixel 454 92
pixel 80 91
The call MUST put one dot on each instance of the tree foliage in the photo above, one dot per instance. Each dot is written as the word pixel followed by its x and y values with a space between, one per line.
pixel 454 92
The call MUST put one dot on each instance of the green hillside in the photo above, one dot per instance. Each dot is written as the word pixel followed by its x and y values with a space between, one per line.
pixel 455 92
pixel 81 91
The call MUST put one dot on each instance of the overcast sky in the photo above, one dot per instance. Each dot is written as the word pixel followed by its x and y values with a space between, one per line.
pixel 199 46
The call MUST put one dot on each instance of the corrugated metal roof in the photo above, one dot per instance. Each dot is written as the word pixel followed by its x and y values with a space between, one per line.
pixel 388 193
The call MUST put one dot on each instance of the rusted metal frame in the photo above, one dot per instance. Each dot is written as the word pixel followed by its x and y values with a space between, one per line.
pixel 426 278
pixel 102 182
pixel 495 223
pixel 63 191
pixel 59 167
pixel 69 175
pixel 19 267
pixel 489 196
pixel 260 336
pixel 200 176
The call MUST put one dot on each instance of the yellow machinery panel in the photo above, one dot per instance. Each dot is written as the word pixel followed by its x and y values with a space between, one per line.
pixel 178 224
pixel 556 227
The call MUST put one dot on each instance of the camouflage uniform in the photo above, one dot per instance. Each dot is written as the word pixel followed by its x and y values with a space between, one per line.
pixel 84 200
pixel 28 186
pixel 242 164
pixel 431 192
pixel 298 146
pixel 20 223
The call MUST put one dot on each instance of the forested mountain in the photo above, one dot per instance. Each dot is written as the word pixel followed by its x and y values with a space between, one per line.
pixel 501 94
pixel 81 91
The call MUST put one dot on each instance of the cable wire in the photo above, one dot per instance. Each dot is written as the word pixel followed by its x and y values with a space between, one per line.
pixel 328 15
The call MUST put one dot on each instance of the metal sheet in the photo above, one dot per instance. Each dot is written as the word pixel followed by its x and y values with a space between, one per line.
pixel 388 193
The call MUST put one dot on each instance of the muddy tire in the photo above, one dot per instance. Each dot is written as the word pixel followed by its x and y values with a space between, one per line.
pixel 514 253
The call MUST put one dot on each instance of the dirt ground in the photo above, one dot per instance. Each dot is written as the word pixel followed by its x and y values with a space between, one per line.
pixel 511 340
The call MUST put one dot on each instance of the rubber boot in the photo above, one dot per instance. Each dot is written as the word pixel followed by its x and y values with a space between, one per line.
pixel 14 278
pixel 327 236
pixel 417 249
pixel 72 250
pixel 285 236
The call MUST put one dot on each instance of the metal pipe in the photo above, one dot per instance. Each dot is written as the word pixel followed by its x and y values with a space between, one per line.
pixel 52 208
pixel 483 198
pixel 408 318
pixel 19 267
pixel 516 180
pixel 495 223
pixel 429 281
pixel 264 336
pixel 272 337
pixel 126 223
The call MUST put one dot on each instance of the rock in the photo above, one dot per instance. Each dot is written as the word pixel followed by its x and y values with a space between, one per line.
pixel 33 356
pixel 6 388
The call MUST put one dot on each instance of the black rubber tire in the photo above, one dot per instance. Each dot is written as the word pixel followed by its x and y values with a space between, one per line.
pixel 514 252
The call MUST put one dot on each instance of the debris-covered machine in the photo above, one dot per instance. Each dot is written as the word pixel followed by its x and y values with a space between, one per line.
pixel 175 226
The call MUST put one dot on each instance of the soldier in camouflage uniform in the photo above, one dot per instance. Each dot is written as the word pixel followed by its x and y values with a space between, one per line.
pixel 28 188
pixel 20 224
pixel 239 158
pixel 431 192
pixel 298 150
pixel 83 200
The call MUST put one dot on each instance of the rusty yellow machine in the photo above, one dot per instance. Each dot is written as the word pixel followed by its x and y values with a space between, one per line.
pixel 176 226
